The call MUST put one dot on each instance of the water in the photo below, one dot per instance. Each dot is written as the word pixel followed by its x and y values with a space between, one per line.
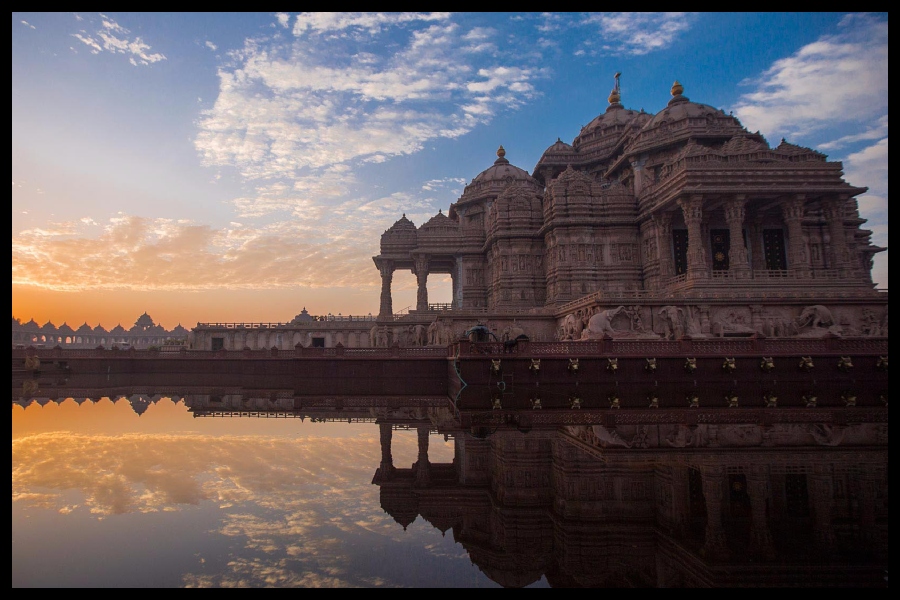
pixel 143 493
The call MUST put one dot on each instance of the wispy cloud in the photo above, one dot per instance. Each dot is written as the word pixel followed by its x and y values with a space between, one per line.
pixel 631 33
pixel 27 24
pixel 211 46
pixel 837 78
pixel 112 37
pixel 322 22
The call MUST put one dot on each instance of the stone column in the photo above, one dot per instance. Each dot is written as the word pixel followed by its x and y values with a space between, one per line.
pixel 714 546
pixel 833 210
pixel 663 222
pixel 422 280
pixel 387 273
pixel 692 206
pixel 760 535
pixel 756 318
pixel 822 492
pixel 758 254
pixel 798 258
pixel 423 467
pixel 386 468
pixel 738 261
pixel 704 318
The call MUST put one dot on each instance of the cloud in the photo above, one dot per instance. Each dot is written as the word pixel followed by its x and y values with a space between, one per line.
pixel 112 37
pixel 27 24
pixel 323 22
pixel 284 19
pixel 211 46
pixel 838 78
pixel 631 33
pixel 287 108
pixel 297 510
pixel 872 132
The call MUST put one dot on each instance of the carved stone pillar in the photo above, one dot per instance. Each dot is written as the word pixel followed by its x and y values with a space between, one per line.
pixel 714 546
pixel 833 210
pixel 421 268
pixel 704 318
pixel 738 260
pixel 692 207
pixel 760 535
pixel 822 488
pixel 663 222
pixel 387 274
pixel 756 317
pixel 798 257
pixel 386 469
pixel 423 467
pixel 757 254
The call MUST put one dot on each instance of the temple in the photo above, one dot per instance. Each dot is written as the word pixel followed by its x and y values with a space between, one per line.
pixel 641 209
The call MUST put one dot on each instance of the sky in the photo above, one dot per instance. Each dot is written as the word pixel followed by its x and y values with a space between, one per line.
pixel 238 167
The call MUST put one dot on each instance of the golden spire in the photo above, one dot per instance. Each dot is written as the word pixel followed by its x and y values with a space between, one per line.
pixel 614 95
pixel 501 152
pixel 677 88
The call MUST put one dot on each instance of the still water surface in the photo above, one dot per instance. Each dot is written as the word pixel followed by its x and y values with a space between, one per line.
pixel 106 497
pixel 103 497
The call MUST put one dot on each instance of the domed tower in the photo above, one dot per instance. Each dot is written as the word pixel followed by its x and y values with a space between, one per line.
pixel 515 250
pixel 471 212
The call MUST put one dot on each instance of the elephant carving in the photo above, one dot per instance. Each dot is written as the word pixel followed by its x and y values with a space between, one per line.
pixel 673 319
pixel 815 316
pixel 602 321
pixel 572 325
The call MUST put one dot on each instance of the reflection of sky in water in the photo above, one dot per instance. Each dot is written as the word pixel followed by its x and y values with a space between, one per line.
pixel 105 498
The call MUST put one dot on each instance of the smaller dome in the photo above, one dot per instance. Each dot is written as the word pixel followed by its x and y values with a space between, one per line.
pixel 439 220
pixel 559 148
pixel 118 329
pixel 64 328
pixel 100 329
pixel 502 170
pixel 402 225
pixel 144 321
pixel 680 107
pixel 48 326
pixel 85 328
pixel 31 326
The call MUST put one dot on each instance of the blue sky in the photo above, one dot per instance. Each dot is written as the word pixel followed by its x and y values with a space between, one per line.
pixel 240 166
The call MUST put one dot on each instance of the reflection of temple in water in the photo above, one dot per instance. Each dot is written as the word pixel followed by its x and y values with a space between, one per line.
pixel 587 507
pixel 720 497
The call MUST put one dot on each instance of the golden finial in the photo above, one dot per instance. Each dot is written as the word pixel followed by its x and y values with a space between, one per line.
pixel 677 88
pixel 614 95
pixel 501 152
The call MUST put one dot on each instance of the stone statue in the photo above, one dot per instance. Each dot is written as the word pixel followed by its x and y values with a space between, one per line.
pixel 673 319
pixel 511 332
pixel 815 316
pixel 419 335
pixel 601 322
pixel 572 325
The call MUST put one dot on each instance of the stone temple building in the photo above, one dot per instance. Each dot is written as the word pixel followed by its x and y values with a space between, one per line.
pixel 648 226
pixel 683 221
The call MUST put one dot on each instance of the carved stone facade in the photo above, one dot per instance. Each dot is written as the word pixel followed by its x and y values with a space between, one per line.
pixel 643 209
